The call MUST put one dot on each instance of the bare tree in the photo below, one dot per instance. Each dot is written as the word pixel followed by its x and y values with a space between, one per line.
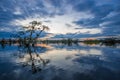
pixel 27 39
pixel 32 32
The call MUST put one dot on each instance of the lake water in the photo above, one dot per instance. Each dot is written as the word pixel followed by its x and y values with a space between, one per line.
pixel 60 62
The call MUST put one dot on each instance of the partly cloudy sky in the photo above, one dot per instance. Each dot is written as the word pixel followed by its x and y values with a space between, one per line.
pixel 66 18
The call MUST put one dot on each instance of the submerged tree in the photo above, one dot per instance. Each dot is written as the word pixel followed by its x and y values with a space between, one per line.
pixel 27 39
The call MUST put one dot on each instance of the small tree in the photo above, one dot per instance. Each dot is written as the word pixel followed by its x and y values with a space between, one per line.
pixel 27 38
pixel 31 32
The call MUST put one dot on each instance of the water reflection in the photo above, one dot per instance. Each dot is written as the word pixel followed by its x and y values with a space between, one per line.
pixel 60 62
pixel 29 56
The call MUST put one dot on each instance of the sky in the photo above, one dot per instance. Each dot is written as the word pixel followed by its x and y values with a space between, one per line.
pixel 65 18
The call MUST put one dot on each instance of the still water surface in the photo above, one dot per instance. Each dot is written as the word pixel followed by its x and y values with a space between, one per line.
pixel 60 62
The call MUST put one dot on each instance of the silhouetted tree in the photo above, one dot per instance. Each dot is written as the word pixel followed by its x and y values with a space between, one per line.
pixel 31 32
pixel 27 39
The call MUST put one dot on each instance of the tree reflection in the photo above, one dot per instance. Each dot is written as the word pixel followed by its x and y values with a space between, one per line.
pixel 33 59
pixel 3 43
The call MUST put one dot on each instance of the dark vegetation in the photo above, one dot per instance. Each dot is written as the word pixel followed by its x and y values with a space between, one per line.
pixel 110 41
pixel 62 41
pixel 92 41
pixel 107 41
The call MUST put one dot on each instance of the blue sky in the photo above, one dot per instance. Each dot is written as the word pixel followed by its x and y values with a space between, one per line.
pixel 79 18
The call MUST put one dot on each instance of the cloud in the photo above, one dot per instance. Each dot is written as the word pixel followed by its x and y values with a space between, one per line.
pixel 68 25
pixel 17 11
pixel 57 23
pixel 106 15
pixel 63 16
pixel 84 5
pixel 91 31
